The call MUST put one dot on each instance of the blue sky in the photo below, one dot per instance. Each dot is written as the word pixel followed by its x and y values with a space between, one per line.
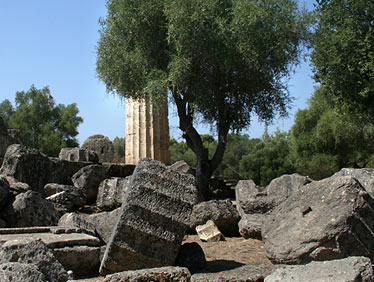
pixel 53 43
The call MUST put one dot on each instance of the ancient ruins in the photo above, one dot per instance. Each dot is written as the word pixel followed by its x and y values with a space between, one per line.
pixel 75 217
pixel 147 131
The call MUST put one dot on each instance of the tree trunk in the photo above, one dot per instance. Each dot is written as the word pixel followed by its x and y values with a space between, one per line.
pixel 205 167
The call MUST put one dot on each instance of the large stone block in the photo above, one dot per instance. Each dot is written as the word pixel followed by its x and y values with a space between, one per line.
pixel 20 272
pixel 153 219
pixel 250 198
pixel 101 145
pixel 328 219
pixel 30 209
pixel 78 155
pixel 34 251
pixel 169 274
pixel 104 223
pixel 363 175
pixel 345 270
pixel 111 192
pixel 88 179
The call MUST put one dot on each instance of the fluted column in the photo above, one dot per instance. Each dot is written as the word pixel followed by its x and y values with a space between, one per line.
pixel 147 131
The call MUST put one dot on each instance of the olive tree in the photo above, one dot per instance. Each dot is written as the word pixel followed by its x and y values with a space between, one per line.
pixel 220 61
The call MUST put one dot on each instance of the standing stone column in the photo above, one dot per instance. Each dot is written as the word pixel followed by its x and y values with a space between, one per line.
pixel 147 131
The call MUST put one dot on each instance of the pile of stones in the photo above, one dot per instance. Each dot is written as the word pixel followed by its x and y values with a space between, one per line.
pixel 76 216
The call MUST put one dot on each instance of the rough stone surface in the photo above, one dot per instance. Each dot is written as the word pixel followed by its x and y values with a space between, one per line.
pixel 26 165
pixel 350 269
pixel 65 198
pixel 82 260
pixel 209 232
pixel 250 225
pixel 75 220
pixel 363 175
pixel 221 212
pixel 30 209
pixel 192 256
pixel 101 145
pixel 104 223
pixel 111 192
pixel 4 191
pixel 60 171
pixel 328 219
pixel 20 272
pixel 246 273
pixel 281 188
pixel 78 155
pixel 182 166
pixel 153 218
pixel 88 179
pixel 119 169
pixel 250 198
pixel 16 187
pixel 35 252
pixel 170 274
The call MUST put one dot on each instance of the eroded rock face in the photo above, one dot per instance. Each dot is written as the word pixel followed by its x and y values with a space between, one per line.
pixel 26 165
pixel 34 251
pixel 20 272
pixel 169 273
pixel 363 175
pixel 152 220
pixel 30 209
pixel 88 179
pixel 104 223
pixel 250 225
pixel 5 140
pixel 102 146
pixel 191 256
pixel 328 219
pixel 111 192
pixel 75 220
pixel 78 155
pixel 345 270
pixel 221 212
pixel 65 198
pixel 251 198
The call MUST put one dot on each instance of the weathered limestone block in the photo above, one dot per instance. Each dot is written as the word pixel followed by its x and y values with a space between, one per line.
pixel 209 232
pixel 221 212
pixel 111 192
pixel 119 169
pixel 78 155
pixel 245 273
pixel 182 166
pixel 65 198
pixel 75 220
pixel 20 272
pixel 34 252
pixel 26 165
pixel 104 223
pixel 82 260
pixel 169 273
pixel 281 188
pixel 30 209
pixel 363 175
pixel 153 219
pixel 345 270
pixel 250 198
pixel 88 179
pixel 101 145
pixel 328 219
pixel 250 225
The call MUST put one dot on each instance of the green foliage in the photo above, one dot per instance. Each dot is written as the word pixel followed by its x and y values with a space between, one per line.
pixel 42 124
pixel 180 151
pixel 119 148
pixel 237 147
pixel 268 159
pixel 324 139
pixel 343 54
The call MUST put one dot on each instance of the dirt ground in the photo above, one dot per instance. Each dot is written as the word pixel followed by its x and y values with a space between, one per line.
pixel 224 255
